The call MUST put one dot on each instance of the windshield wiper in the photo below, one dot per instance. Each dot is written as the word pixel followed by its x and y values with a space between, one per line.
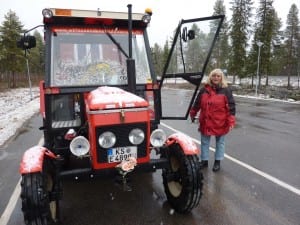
pixel 117 44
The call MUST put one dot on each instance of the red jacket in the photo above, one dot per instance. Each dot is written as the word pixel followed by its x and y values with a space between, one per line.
pixel 217 110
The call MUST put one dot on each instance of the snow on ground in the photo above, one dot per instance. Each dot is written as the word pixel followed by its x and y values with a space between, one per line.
pixel 16 107
pixel 273 81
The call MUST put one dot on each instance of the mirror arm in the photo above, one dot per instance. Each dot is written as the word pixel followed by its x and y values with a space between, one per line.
pixel 27 32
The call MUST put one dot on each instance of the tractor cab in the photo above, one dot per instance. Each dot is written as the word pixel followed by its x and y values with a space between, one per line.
pixel 101 104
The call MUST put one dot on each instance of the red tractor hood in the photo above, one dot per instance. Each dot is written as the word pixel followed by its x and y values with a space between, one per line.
pixel 113 98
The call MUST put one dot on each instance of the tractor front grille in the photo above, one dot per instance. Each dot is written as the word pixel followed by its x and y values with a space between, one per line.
pixel 121 131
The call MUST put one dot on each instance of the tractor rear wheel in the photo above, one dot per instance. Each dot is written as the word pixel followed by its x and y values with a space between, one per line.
pixel 183 180
pixel 37 206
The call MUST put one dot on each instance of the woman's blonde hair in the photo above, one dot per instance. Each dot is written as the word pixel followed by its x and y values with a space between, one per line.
pixel 218 72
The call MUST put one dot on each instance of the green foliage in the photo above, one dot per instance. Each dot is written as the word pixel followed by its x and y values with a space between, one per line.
pixel 159 57
pixel 189 54
pixel 11 59
pixel 292 34
pixel 236 48
pixel 220 53
pixel 13 67
pixel 280 53
pixel 266 29
pixel 240 34
pixel 195 51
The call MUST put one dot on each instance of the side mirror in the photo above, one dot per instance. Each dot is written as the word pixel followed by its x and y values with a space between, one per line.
pixel 191 34
pixel 26 42
pixel 187 35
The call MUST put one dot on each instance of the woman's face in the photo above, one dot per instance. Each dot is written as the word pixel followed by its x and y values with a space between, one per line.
pixel 216 79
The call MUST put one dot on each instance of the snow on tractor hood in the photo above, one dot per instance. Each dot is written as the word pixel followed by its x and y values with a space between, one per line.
pixel 113 98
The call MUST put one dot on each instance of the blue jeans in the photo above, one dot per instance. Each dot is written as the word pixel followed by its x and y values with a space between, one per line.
pixel 220 147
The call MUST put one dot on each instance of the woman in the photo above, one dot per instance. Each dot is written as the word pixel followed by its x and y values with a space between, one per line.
pixel 217 115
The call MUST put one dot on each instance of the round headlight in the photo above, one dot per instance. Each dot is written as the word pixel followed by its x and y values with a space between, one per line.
pixel 79 146
pixel 107 139
pixel 136 136
pixel 47 13
pixel 158 138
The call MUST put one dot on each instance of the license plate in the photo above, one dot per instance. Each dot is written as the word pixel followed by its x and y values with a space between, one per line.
pixel 121 153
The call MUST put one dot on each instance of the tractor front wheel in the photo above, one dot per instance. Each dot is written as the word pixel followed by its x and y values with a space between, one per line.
pixel 182 180
pixel 37 204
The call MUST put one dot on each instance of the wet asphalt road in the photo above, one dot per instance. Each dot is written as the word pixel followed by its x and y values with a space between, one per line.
pixel 266 138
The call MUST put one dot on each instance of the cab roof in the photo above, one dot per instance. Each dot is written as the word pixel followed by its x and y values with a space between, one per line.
pixel 92 17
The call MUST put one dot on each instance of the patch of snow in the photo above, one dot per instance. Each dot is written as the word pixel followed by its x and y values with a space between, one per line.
pixel 278 81
pixel 267 98
pixel 16 107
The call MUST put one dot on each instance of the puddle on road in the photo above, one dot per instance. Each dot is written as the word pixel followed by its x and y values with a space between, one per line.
pixel 292 108
pixel 260 104
pixel 258 114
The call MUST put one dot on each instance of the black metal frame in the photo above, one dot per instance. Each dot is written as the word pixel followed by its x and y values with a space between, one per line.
pixel 193 78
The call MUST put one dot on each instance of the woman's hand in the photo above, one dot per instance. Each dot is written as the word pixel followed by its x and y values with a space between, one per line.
pixel 192 119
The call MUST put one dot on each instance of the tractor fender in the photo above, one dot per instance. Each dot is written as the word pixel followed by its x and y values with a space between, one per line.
pixel 186 143
pixel 33 159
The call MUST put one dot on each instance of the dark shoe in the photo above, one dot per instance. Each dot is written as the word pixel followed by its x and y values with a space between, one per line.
pixel 217 166
pixel 203 164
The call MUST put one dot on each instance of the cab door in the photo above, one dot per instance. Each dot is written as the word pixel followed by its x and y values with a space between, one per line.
pixel 186 65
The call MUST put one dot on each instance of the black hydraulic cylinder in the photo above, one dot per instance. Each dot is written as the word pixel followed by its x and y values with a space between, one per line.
pixel 130 30
pixel 130 61
pixel 131 75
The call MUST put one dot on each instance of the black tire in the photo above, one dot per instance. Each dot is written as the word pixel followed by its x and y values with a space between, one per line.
pixel 183 181
pixel 37 206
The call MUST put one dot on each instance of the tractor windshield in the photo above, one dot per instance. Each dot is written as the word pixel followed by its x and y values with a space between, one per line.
pixel 93 57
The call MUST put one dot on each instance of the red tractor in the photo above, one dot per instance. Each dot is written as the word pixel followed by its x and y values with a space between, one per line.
pixel 101 104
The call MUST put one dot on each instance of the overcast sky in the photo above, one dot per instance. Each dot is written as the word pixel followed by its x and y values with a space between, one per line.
pixel 166 13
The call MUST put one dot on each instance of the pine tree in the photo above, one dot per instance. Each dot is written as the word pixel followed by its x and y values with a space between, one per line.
pixel 239 36
pixel 292 34
pixel 157 56
pixel 195 51
pixel 12 59
pixel 276 48
pixel 266 29
pixel 221 49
